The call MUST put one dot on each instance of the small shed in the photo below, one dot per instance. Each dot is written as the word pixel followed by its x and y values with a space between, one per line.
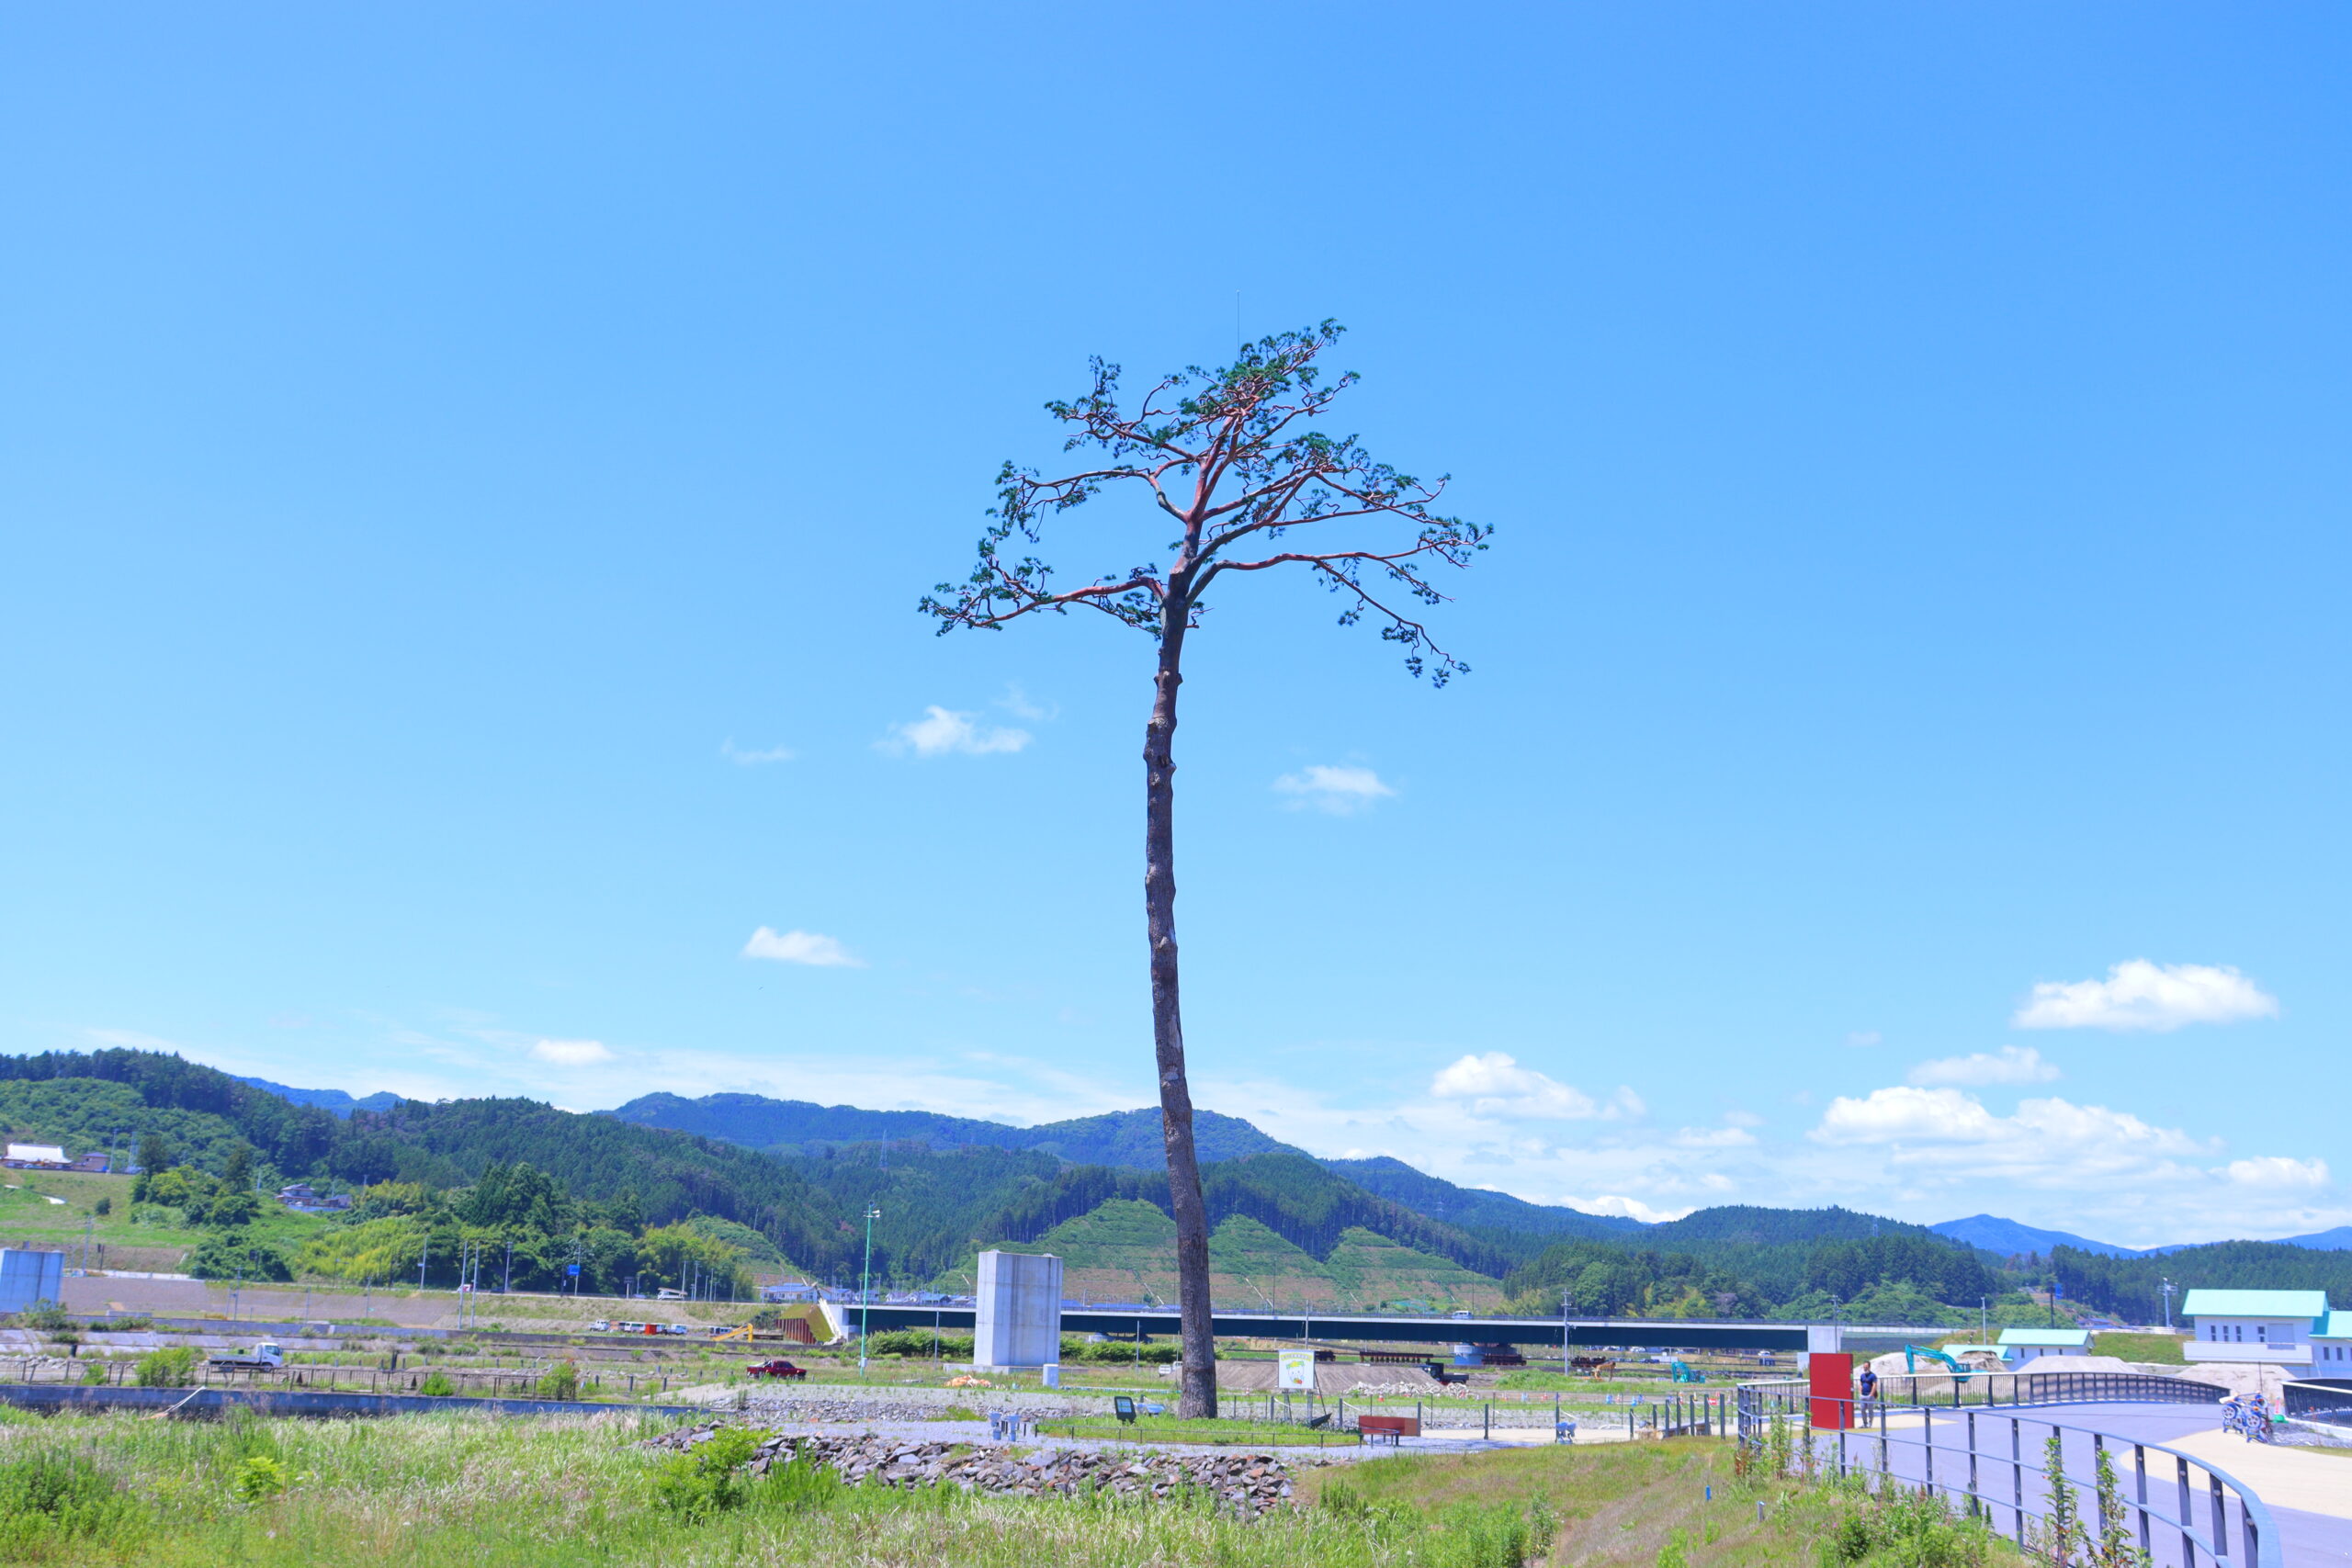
pixel 2021 1346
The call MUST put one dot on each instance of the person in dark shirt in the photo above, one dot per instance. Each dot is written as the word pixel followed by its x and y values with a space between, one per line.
pixel 1870 1383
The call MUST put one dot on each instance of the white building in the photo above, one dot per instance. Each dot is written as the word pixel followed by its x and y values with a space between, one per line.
pixel 35 1156
pixel 2020 1347
pixel 2332 1348
pixel 2274 1327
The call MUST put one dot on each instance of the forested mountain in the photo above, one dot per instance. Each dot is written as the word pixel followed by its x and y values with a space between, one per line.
pixel 333 1100
pixel 1512 1226
pixel 799 1126
pixel 628 1195
pixel 2008 1239
pixel 2132 1288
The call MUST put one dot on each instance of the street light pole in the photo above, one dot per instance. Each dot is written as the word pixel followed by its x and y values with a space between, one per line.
pixel 866 1289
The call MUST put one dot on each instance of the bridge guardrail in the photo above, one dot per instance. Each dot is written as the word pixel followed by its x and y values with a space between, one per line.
pixel 1982 1387
pixel 1985 1446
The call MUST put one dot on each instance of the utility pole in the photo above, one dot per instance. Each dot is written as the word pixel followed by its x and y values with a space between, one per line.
pixel 1563 1333
pixel 866 1288
pixel 421 1257
pixel 2168 1288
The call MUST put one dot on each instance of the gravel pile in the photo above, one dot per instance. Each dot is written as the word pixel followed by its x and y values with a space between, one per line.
pixel 1249 1483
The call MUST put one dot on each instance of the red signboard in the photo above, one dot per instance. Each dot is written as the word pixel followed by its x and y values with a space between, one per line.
pixel 1830 1388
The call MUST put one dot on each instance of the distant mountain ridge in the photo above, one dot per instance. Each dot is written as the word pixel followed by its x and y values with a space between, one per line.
pixel 1124 1139
pixel 328 1100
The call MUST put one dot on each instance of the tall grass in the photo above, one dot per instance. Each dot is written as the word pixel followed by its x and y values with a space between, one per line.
pixel 427 1491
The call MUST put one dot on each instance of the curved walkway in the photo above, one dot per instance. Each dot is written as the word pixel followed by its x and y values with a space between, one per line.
pixel 2309 1536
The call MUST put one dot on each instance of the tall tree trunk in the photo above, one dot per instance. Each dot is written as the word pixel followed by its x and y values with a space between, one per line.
pixel 1198 1398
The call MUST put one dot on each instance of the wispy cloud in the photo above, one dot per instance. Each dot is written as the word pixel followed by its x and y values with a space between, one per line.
pixel 752 759
pixel 2013 1065
pixel 2138 995
pixel 1017 702
pixel 1342 791
pixel 800 947
pixel 1864 1038
pixel 572 1053
pixel 1628 1207
pixel 942 732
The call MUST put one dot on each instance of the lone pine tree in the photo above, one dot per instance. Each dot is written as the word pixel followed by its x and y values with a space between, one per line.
pixel 1233 460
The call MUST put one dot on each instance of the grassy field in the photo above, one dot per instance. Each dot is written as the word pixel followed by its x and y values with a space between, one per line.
pixel 2151 1347
pixel 427 1492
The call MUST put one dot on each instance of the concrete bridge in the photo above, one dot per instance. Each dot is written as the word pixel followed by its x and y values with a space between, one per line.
pixel 1614 1333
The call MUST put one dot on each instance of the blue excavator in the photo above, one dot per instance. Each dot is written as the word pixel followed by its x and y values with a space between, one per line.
pixel 1911 1354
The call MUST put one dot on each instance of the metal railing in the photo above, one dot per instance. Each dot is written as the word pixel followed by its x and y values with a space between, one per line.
pixel 1982 1457
pixel 2329 1401
pixel 1982 1387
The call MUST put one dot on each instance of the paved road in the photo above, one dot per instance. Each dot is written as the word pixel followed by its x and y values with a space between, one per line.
pixel 2308 1539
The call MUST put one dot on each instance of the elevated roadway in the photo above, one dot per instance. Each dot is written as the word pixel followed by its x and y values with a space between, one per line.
pixel 1595 1333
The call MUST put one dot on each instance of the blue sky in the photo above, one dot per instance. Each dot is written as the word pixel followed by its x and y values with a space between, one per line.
pixel 468 472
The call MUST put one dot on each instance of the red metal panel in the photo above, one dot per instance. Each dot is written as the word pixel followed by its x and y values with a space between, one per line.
pixel 1830 1389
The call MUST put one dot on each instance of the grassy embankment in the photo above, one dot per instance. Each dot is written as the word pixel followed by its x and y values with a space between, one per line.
pixel 425 1492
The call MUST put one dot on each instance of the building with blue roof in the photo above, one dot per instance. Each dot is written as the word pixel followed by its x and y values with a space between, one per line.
pixel 2279 1327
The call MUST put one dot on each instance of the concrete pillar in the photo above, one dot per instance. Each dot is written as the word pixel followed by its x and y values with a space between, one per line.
pixel 1018 1321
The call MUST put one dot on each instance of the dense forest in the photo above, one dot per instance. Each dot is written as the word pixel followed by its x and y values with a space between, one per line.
pixel 2132 1288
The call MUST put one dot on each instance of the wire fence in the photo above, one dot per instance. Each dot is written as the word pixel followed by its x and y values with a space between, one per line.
pixel 2002 1466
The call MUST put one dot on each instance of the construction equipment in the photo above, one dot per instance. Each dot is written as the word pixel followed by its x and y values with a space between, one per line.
pixel 741 1331
pixel 1685 1373
pixel 1911 1354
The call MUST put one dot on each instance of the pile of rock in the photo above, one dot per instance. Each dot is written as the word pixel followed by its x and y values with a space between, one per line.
pixel 1247 1483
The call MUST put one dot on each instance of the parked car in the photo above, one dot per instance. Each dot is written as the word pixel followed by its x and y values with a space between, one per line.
pixel 779 1368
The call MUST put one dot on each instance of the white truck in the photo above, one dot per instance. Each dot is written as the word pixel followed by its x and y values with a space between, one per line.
pixel 263 1357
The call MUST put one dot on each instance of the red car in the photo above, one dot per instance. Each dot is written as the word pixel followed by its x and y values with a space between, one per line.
pixel 779 1368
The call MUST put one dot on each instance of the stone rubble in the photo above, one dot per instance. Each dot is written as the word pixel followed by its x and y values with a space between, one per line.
pixel 1247 1484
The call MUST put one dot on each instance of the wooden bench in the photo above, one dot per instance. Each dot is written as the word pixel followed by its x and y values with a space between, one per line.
pixel 1387 1428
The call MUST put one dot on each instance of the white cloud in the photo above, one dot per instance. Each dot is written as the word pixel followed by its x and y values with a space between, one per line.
pixel 742 759
pixel 572 1053
pixel 800 947
pixel 1628 1208
pixel 1713 1138
pixel 1742 1119
pixel 2277 1170
pixel 1496 1085
pixel 2138 995
pixel 942 732
pixel 1340 791
pixel 2014 1064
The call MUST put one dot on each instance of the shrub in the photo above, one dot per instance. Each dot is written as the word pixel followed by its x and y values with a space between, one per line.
pixel 174 1367
pixel 47 1318
pixel 235 1254
pixel 96 1372
pixel 259 1477
pixel 436 1383
pixel 707 1478
pixel 562 1382
pixel 103 1206
pixel 52 1496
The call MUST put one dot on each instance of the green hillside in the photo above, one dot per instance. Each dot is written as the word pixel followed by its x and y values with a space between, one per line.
pixel 1125 1250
